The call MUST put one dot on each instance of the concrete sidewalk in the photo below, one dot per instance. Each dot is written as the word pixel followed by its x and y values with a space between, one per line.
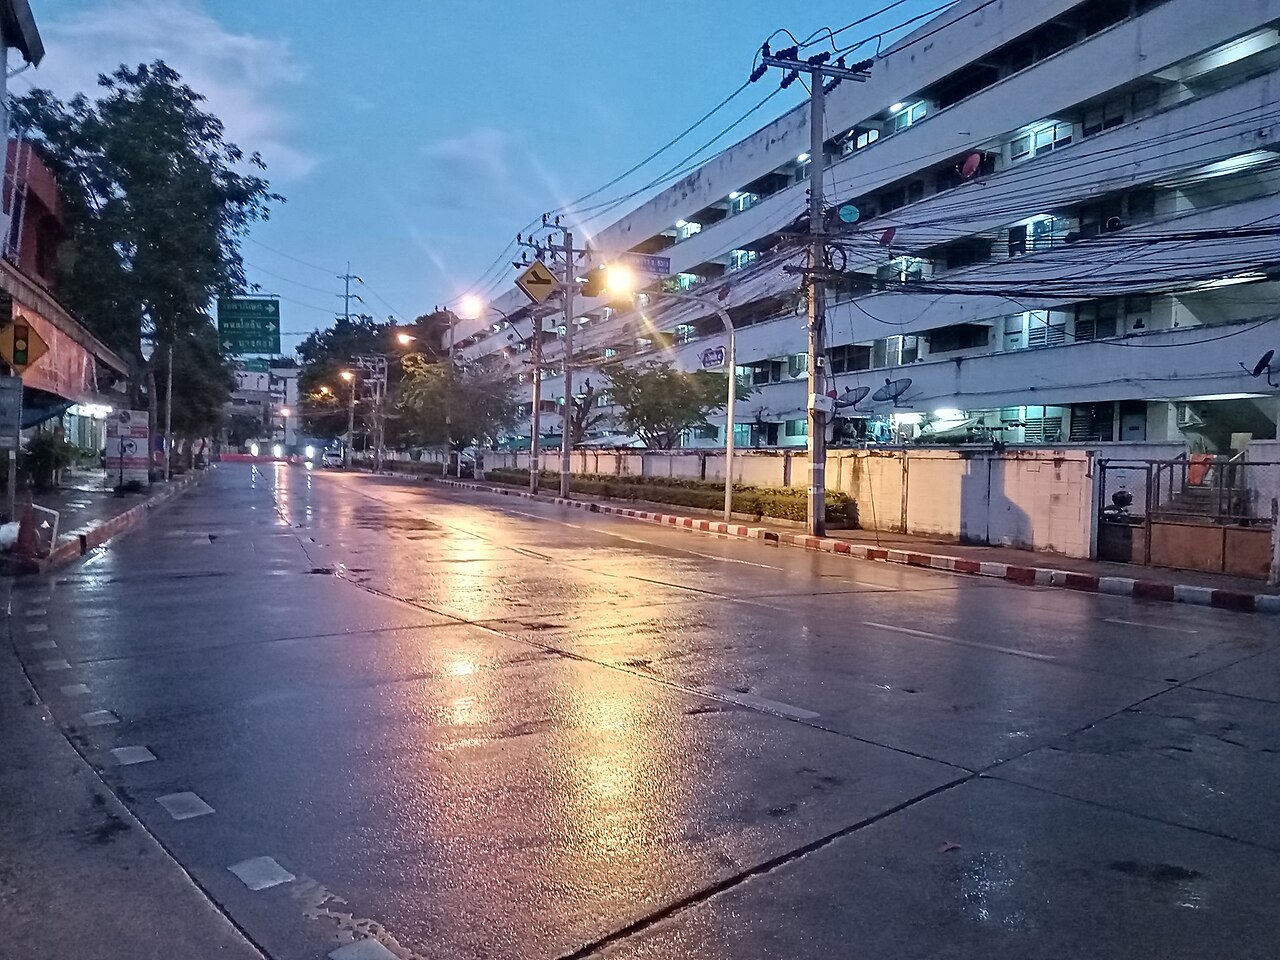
pixel 90 513
pixel 1017 566
pixel 79 876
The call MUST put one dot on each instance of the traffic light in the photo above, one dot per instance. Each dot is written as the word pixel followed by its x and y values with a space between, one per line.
pixel 21 344
pixel 594 283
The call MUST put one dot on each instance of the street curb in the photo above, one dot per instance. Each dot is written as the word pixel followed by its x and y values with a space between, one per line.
pixel 75 547
pixel 1013 573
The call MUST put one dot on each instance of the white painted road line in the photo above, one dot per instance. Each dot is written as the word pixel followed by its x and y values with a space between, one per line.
pixel 261 873
pixel 99 718
pixel 184 806
pixel 924 635
pixel 75 690
pixel 37 628
pixel 51 665
pixel 363 950
pixel 759 703
pixel 128 756
pixel 1149 626
pixel 38 612
pixel 44 645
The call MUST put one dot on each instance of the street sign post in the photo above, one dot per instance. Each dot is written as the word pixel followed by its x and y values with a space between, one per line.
pixel 538 282
pixel 10 428
pixel 128 441
pixel 249 325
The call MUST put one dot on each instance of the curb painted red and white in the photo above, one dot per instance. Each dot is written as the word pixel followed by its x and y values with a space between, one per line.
pixel 1014 573
pixel 81 542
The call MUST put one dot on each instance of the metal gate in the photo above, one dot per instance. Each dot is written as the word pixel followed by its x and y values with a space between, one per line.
pixel 1196 512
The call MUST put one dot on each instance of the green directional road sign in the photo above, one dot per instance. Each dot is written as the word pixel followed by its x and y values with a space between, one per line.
pixel 249 325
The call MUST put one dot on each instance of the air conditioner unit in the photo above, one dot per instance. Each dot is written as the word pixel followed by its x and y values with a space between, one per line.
pixel 1113 224
pixel 1187 417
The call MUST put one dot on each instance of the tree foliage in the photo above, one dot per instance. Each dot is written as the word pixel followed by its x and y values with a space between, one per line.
pixel 659 402
pixel 478 403
pixel 587 414
pixel 157 202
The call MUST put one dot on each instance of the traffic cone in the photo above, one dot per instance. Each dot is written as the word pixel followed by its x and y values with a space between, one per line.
pixel 26 545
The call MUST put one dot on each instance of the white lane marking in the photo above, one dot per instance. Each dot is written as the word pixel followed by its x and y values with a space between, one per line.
pixel 37 628
pixel 99 718
pixel 260 873
pixel 44 599
pixel 956 640
pixel 38 612
pixel 759 703
pixel 362 950
pixel 128 756
pixel 44 645
pixel 101 554
pixel 55 665
pixel 184 806
pixel 74 690
pixel 647 543
pixel 1149 626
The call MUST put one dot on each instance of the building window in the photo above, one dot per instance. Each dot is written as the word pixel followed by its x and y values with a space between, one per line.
pixel 742 434
pixel 798 365
pixel 1041 332
pixel 796 428
pixel 740 202
pixel 849 358
pixel 707 432
pixel 741 258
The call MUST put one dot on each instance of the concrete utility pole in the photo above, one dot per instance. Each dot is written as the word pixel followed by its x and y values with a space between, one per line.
pixel 566 442
pixel 168 417
pixel 819 406
pixel 351 422
pixel 535 434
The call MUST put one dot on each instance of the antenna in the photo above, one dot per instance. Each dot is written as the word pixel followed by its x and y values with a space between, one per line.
pixel 892 390
pixel 1263 366
pixel 852 397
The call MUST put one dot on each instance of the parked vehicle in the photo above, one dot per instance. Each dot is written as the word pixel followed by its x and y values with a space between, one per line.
pixel 332 459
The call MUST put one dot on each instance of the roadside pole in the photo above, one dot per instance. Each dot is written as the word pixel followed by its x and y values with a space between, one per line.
pixel 1274 578
pixel 566 438
pixel 535 433
pixel 351 424
pixel 168 418
pixel 819 70
pixel 817 314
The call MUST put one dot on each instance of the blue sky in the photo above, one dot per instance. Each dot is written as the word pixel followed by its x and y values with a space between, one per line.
pixel 414 138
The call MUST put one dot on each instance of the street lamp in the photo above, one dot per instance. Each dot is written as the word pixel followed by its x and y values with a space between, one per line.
pixel 350 377
pixel 620 281
pixel 404 339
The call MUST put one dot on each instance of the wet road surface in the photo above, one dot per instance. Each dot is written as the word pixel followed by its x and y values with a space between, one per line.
pixel 470 728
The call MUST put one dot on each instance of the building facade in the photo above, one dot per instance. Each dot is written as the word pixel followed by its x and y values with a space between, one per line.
pixel 1059 220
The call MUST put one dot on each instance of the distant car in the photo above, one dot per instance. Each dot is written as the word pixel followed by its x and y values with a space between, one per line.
pixel 332 459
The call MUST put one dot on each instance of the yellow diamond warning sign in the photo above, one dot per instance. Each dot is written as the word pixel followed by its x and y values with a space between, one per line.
pixel 538 282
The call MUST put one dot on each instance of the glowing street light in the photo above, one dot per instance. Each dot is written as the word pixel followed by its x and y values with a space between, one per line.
pixel 347 375
pixel 470 307
pixel 619 280
pixel 324 388
pixel 405 339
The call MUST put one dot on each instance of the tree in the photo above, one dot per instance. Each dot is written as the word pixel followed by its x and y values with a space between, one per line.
pixel 479 403
pixel 157 202
pixel 659 402
pixel 587 414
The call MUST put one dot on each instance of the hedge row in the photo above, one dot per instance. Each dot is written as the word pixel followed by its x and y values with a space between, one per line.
pixel 415 468
pixel 780 503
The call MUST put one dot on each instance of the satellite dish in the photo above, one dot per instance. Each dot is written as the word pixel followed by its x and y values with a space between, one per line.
pixel 853 396
pixel 1263 365
pixel 892 390
pixel 849 213
pixel 971 165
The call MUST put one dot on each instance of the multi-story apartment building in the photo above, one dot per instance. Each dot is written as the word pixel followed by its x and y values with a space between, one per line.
pixel 1066 227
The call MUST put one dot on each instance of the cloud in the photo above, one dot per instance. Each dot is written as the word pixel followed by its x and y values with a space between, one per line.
pixel 477 160
pixel 240 75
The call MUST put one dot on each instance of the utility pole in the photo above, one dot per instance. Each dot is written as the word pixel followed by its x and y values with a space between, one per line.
pixel 168 417
pixel 568 289
pixel 347 295
pixel 819 406
pixel 351 421
pixel 566 442
pixel 535 434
